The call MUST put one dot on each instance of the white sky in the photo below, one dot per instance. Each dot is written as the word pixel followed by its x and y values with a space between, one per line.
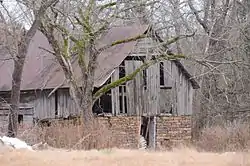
pixel 15 11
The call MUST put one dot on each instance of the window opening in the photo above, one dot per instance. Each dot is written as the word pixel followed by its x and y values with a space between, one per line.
pixel 20 118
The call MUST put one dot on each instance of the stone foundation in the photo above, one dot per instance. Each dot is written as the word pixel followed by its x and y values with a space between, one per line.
pixel 172 131
pixel 125 130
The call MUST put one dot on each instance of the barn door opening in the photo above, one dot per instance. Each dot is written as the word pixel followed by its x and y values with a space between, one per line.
pixel 144 131
pixel 148 131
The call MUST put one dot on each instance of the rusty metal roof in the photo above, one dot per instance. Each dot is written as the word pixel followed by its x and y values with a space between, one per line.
pixel 41 71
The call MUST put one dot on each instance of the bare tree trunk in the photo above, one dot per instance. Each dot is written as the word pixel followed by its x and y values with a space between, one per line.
pixel 16 79
pixel 15 95
pixel 19 60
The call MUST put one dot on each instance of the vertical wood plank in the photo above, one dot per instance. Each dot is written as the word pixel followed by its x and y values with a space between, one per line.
pixel 152 132
pixel 134 89
pixel 153 89
pixel 174 88
pixel 167 71
pixel 129 68
pixel 123 99
pixel 184 89
pixel 37 105
pixel 51 111
pixel 187 96
pixel 138 89
pixel 45 106
pixel 66 105
pixel 180 95
pixel 115 93
pixel 190 99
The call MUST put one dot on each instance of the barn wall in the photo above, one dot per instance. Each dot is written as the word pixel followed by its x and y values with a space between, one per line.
pixel 182 93
pixel 66 105
pixel 153 90
pixel 174 96
pixel 45 106
pixel 166 100
pixel 134 89
pixel 26 109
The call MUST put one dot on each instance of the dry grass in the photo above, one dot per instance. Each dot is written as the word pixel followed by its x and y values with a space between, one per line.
pixel 68 135
pixel 226 137
pixel 115 157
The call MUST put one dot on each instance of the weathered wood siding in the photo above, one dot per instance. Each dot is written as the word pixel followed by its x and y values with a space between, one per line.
pixel 174 96
pixel 45 106
pixel 184 96
pixel 168 76
pixel 190 99
pixel 153 90
pixel 175 86
pixel 66 105
pixel 134 89
pixel 167 92
pixel 166 100
pixel 26 107
pixel 3 121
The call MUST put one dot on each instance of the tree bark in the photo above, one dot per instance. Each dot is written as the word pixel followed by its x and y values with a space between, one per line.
pixel 19 61
pixel 15 95
pixel 16 80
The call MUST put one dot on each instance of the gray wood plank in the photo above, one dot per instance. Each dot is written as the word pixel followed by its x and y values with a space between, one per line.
pixel 168 78
pixel 134 89
pixel 153 90
pixel 152 132
pixel 190 99
pixel 115 93
pixel 175 74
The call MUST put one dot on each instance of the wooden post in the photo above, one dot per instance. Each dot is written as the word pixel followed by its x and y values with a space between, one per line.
pixel 152 132
pixel 115 94
pixel 175 74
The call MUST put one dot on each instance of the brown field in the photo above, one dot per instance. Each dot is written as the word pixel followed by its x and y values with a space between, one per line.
pixel 116 157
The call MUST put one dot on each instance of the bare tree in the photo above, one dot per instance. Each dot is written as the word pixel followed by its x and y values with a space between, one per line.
pixel 86 23
pixel 19 55
pixel 217 54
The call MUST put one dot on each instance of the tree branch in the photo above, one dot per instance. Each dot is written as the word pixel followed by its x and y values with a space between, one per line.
pixel 121 42
pixel 53 53
pixel 175 39
pixel 201 22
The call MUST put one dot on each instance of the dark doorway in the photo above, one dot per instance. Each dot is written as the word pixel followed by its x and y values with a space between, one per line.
pixel 20 118
pixel 144 128
pixel 148 130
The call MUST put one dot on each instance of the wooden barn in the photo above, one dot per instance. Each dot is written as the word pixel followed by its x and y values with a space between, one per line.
pixel 164 88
